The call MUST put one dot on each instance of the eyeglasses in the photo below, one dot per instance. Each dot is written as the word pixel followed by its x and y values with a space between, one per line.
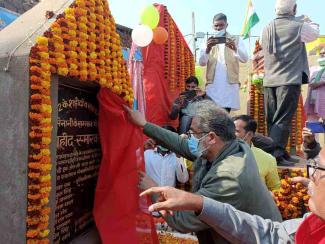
pixel 312 167
pixel 191 133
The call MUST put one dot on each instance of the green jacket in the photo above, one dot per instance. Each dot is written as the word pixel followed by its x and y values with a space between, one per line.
pixel 232 178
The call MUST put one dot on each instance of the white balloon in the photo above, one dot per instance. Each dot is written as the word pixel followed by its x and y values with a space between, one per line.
pixel 142 35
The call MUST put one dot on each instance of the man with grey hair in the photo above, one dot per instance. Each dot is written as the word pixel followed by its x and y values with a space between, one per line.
pixel 286 68
pixel 224 167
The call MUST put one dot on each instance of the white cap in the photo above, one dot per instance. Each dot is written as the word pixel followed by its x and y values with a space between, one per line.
pixel 284 6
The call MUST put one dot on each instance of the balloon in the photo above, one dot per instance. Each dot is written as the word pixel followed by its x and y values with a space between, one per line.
pixel 160 35
pixel 142 35
pixel 150 16
pixel 199 74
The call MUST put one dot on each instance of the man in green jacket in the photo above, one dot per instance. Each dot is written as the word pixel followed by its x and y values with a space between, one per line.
pixel 224 167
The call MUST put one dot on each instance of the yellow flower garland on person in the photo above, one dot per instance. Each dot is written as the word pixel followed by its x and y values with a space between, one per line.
pixel 82 43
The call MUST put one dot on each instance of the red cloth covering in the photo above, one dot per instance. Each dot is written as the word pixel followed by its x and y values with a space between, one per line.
pixel 159 98
pixel 117 205
pixel 311 231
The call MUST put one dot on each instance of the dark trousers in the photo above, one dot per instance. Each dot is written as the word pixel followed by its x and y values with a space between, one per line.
pixel 280 105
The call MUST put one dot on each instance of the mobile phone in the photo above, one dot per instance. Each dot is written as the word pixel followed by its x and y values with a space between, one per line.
pixel 220 39
pixel 315 126
pixel 189 94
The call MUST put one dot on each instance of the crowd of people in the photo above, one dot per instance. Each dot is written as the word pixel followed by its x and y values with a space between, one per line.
pixel 234 168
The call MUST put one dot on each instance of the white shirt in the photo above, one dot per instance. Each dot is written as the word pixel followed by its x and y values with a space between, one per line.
pixel 223 93
pixel 164 169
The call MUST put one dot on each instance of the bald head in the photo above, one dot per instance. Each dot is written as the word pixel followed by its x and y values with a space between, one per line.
pixel 283 7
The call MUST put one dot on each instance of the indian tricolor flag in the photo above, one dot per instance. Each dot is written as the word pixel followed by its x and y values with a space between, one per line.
pixel 250 20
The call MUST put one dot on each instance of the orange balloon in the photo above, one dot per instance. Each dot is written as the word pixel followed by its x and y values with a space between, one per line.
pixel 160 35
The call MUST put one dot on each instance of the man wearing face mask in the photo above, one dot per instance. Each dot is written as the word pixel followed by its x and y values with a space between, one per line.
pixel 222 61
pixel 286 69
pixel 266 163
pixel 224 168
pixel 163 166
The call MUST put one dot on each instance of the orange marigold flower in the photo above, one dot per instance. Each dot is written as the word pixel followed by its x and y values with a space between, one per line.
pixel 36 107
pixel 35 146
pixel 34 175
pixel 35 79
pixel 33 196
pixel 43 226
pixel 35 87
pixel 32 233
pixel 33 208
pixel 34 165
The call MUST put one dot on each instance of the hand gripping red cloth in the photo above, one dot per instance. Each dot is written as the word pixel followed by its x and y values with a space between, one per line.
pixel 117 211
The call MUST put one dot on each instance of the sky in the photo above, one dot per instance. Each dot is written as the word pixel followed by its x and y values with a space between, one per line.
pixel 127 13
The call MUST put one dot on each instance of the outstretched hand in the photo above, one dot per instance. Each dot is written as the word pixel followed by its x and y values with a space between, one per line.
pixel 136 117
pixel 173 199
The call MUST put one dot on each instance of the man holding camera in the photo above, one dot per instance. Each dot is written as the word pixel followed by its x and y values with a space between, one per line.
pixel 222 55
pixel 180 106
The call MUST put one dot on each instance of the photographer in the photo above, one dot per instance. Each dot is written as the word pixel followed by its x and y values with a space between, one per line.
pixel 222 55
pixel 310 146
pixel 180 106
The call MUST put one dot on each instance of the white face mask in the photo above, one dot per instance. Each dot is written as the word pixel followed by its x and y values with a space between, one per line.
pixel 321 61
pixel 220 33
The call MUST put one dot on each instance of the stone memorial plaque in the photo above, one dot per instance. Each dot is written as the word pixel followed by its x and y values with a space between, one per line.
pixel 78 160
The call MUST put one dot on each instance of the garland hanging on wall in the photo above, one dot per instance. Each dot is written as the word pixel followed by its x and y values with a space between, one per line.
pixel 82 44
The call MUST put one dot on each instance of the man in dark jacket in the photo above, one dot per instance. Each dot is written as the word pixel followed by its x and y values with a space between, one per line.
pixel 286 68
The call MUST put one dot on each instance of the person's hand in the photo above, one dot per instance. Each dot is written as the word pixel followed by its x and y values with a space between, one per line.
pixel 199 92
pixel 145 182
pixel 183 136
pixel 231 44
pixel 179 103
pixel 173 199
pixel 307 136
pixel 149 144
pixel 136 117
pixel 211 43
pixel 304 181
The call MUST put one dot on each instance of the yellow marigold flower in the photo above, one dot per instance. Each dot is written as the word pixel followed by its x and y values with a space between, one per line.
pixel 83 55
pixel 73 66
pixel 44 233
pixel 81 3
pixel 83 27
pixel 92 16
pixel 92 46
pixel 45 152
pixel 44 201
pixel 63 71
pixel 93 55
pixel 41 40
pixel 83 36
pixel 45 178
pixel 102 81
pixel 46 141
pixel 70 17
pixel 46 121
pixel 83 72
pixel 45 66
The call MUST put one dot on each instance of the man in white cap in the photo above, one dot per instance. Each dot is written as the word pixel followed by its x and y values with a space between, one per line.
pixel 286 69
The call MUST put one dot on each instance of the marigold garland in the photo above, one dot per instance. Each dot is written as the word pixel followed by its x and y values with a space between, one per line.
pixel 82 43
pixel 179 60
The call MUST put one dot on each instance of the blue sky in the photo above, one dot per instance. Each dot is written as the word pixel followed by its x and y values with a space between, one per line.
pixel 127 12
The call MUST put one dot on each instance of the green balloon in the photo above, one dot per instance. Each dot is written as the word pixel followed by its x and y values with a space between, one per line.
pixel 150 16
pixel 199 74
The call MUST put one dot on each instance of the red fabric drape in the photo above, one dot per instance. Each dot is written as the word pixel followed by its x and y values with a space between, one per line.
pixel 311 231
pixel 159 98
pixel 117 205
